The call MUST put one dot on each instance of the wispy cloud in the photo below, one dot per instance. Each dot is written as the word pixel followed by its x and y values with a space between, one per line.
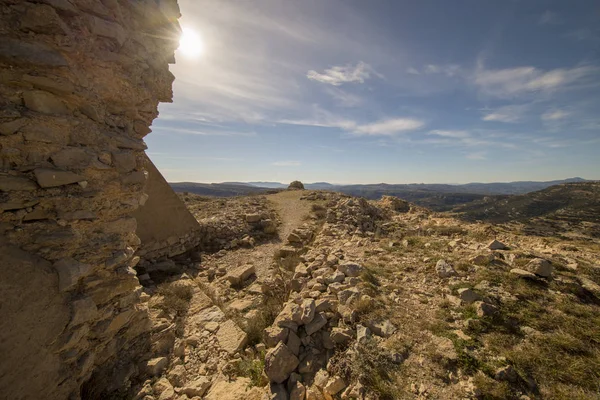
pixel 550 18
pixel 555 115
pixel 510 82
pixel 449 70
pixel 413 71
pixel 200 131
pixel 286 163
pixel 509 114
pixel 480 155
pixel 450 133
pixel 388 127
pixel 344 98
pixel 584 34
pixel 339 75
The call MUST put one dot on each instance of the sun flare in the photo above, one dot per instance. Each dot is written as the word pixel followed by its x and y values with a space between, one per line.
pixel 190 43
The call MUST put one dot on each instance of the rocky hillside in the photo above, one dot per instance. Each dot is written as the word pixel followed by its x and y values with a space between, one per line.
pixel 340 297
pixel 561 208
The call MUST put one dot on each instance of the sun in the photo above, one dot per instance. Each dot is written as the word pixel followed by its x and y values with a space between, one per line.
pixel 190 43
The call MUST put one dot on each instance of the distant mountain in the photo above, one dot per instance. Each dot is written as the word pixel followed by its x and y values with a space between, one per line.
pixel 439 197
pixel 271 185
pixel 217 189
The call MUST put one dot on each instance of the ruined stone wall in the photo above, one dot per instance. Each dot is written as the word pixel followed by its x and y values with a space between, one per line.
pixel 80 81
pixel 164 224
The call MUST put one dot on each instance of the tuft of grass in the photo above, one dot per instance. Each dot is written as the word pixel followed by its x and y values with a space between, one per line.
pixel 368 275
pixel 176 298
pixel 267 313
pixel 253 368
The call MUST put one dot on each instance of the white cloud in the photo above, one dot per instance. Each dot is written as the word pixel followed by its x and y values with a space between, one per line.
pixel 343 74
pixel 200 131
pixel 448 70
pixel 344 98
pixel 477 156
pixel 555 115
pixel 286 163
pixel 413 71
pixel 512 82
pixel 507 114
pixel 550 18
pixel 450 133
pixel 388 127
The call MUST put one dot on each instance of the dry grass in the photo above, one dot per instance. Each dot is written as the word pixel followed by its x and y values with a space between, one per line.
pixel 176 298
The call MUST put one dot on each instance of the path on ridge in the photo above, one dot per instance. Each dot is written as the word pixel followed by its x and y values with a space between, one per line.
pixel 291 211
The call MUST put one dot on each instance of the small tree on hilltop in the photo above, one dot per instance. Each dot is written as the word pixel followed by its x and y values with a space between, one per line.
pixel 296 185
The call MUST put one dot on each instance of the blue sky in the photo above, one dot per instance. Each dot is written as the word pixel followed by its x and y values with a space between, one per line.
pixel 354 91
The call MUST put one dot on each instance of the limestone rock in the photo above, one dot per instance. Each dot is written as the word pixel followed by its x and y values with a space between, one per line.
pixel 540 267
pixel 444 270
pixel 235 390
pixel 111 30
pixel 484 309
pixel 41 18
pixel 252 218
pixel 298 391
pixel 467 295
pixel 22 52
pixel 47 177
pixel 362 333
pixel 197 387
pixel 240 274
pixel 72 157
pixel 307 312
pixel 341 335
pixel 44 102
pixel 280 362
pixel 69 272
pixel 497 245
pixel 177 375
pixel 334 385
pixel 156 365
pixel 278 392
pixel 589 285
pixel 10 182
pixel 350 269
pixel 521 273
pixel 275 334
pixel 483 259
pixel 317 323
pixel 383 328
pixel 231 338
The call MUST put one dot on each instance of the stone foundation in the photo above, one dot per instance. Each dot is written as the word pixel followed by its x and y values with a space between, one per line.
pixel 80 82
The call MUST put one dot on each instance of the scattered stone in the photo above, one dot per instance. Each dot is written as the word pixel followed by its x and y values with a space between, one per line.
pixel 317 323
pixel 157 365
pixel 231 338
pixel 252 218
pixel 444 270
pixel 540 267
pixel 382 329
pixel 298 391
pixel 350 269
pixel 496 245
pixel 240 274
pixel 334 385
pixel 197 387
pixel 280 362
pixel 362 334
pixel 484 309
pixel 275 334
pixel 483 259
pixel 507 373
pixel 341 335
pixel 468 296
pixel 589 285
pixel 521 273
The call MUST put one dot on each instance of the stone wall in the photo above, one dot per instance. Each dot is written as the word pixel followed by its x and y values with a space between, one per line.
pixel 164 224
pixel 80 81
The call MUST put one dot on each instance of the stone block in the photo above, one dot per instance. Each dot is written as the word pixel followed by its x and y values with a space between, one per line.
pixel 44 102
pixel 280 362
pixel 47 177
pixel 231 338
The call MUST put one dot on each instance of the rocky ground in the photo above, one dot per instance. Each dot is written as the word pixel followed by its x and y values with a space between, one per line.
pixel 317 295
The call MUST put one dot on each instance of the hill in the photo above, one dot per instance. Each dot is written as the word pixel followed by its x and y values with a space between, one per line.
pixel 560 207
pixel 217 189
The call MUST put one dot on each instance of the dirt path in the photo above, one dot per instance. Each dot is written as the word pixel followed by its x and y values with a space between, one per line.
pixel 291 211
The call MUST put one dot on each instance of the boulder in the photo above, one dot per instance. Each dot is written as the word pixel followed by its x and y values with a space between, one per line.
pixel 275 334
pixel 496 245
pixel 307 312
pixel 540 267
pixel 341 335
pixel 197 387
pixel 350 269
pixel 521 273
pixel 156 366
pixel 253 218
pixel 467 295
pixel 334 386
pixel 483 259
pixel 317 323
pixel 280 362
pixel 239 274
pixel 444 269
pixel 298 391
pixel 231 338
